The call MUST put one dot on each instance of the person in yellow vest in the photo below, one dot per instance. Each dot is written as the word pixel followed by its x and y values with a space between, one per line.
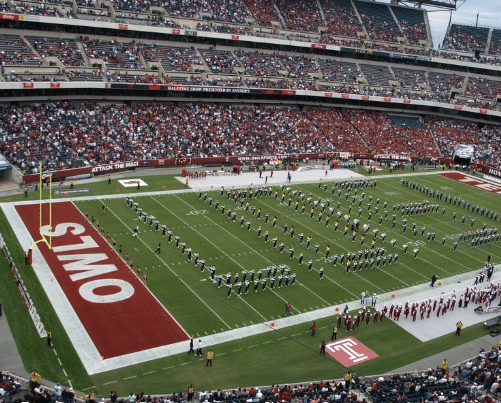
pixel 34 378
pixel 499 344
pixel 91 397
pixel 334 333
pixel 210 356
pixel 445 366
pixel 459 325
pixel 191 392
pixel 347 380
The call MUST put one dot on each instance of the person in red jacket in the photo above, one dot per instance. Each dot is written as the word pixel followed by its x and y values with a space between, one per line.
pixel 313 328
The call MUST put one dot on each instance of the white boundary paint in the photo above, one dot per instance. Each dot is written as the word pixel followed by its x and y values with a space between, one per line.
pixel 92 360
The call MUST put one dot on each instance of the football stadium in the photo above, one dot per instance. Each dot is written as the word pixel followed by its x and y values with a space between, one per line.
pixel 248 201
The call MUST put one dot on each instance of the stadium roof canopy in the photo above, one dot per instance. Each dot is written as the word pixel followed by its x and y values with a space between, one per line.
pixel 447 4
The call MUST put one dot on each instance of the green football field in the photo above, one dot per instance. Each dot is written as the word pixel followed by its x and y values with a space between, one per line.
pixel 202 308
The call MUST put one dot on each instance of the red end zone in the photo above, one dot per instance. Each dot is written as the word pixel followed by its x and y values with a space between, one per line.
pixel 472 181
pixel 119 313
pixel 349 351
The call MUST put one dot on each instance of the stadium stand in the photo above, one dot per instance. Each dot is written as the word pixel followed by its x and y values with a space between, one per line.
pixel 376 74
pixel 228 81
pixel 411 79
pixel 186 8
pixel 66 50
pixel 341 18
pixel 109 136
pixel 14 51
pixel 171 58
pixel 119 55
pixel 83 75
pixel 232 29
pixel 258 82
pixel 300 16
pixel 259 63
pixel 495 43
pixel 480 87
pixel 412 23
pixel 441 84
pixel 8 385
pixel 337 129
pixel 339 71
pixel 378 21
pixel 378 132
pixel 466 38
pixel 220 62
pixel 299 66
pixel 264 12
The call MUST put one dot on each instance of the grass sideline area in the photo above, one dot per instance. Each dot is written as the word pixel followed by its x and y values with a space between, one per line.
pixel 288 355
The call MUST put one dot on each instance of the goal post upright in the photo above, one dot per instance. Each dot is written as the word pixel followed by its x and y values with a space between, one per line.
pixel 43 238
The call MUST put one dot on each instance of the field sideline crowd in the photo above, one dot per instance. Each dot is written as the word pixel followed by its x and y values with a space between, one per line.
pixel 65 135
pixel 476 380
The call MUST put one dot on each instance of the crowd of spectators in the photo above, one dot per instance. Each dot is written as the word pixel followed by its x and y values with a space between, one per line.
pixel 466 38
pixel 410 79
pixel 475 380
pixel 380 25
pixel 229 11
pixel 341 18
pixel 41 9
pixel 66 50
pixel 232 29
pixel 481 87
pixel 29 77
pixel 450 132
pixel 264 12
pixel 95 14
pixel 65 135
pixel 299 66
pixel 259 82
pixel 441 84
pixel 225 81
pixel 338 71
pixel 220 62
pixel 301 70
pixel 14 51
pixel 336 19
pixel 260 64
pixel 300 15
pixel 81 75
pixel 120 55
pixel 8 385
pixel 414 33
pixel 145 19
pixel 171 58
pixel 203 26
pixel 378 132
pixel 186 8
pixel 125 77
